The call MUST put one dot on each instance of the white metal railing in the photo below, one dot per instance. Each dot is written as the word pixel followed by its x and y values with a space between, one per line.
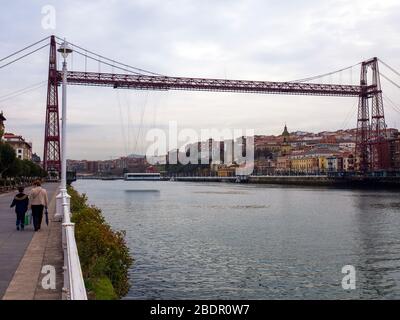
pixel 74 286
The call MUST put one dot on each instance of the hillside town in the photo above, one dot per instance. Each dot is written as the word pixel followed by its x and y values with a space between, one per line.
pixel 290 153
pixel 298 153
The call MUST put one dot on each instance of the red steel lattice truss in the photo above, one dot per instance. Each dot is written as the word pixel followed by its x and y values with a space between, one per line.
pixel 372 146
pixel 51 157
pixel 145 82
pixel 371 143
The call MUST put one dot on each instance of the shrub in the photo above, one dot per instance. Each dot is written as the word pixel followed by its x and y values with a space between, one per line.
pixel 103 253
pixel 103 288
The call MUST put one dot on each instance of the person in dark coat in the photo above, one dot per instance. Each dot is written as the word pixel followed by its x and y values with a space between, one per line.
pixel 20 202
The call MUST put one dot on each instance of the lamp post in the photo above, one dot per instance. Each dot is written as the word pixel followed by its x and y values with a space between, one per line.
pixel 62 197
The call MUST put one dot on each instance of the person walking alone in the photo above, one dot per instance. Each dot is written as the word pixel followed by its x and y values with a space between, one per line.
pixel 38 201
pixel 20 202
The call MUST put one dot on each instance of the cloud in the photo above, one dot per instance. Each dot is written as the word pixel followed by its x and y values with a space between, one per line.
pixel 254 39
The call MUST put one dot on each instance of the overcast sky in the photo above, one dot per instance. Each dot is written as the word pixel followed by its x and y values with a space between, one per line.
pixel 254 40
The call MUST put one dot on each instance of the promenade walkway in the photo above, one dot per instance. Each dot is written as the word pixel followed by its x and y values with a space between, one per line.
pixel 22 254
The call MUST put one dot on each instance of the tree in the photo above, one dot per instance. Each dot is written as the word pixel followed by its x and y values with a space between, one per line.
pixel 7 157
pixel 15 169
pixel 11 166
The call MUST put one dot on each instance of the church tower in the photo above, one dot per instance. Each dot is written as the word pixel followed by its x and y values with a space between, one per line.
pixel 285 145
pixel 285 135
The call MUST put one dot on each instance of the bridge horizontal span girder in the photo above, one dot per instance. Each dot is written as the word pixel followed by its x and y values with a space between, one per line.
pixel 145 82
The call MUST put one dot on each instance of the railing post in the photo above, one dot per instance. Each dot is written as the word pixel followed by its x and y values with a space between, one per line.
pixel 59 213
pixel 74 286
pixel 65 289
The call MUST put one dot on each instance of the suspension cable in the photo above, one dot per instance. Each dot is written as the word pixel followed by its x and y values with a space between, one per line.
pixel 23 49
pixel 25 55
pixel 393 105
pixel 143 110
pixel 389 67
pixel 101 62
pixel 23 91
pixel 349 115
pixel 390 80
pixel 325 74
pixel 106 63
pixel 121 119
pixel 111 60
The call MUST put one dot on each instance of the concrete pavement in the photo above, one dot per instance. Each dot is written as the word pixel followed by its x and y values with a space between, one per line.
pixel 22 253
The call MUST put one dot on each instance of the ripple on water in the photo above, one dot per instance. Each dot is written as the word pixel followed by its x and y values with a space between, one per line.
pixel 227 241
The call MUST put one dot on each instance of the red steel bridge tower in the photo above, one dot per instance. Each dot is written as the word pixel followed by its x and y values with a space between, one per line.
pixel 52 157
pixel 372 146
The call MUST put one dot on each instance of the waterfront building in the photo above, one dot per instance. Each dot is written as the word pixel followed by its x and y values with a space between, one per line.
pixel 323 163
pixel 313 161
pixel 136 163
pixel 392 133
pixel 335 163
pixel 264 166
pixel 92 167
pixel 79 166
pixel 347 145
pixel 297 152
pixel 227 171
pixel 395 152
pixel 329 138
pixel 22 148
pixel 348 161
pixel 332 147
pixel 118 166
pixel 266 144
pixel 304 163
pixel 283 165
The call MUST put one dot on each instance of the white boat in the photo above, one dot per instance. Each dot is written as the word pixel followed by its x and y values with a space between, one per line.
pixel 141 176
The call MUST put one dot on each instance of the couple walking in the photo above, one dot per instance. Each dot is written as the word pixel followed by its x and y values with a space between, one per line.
pixel 37 200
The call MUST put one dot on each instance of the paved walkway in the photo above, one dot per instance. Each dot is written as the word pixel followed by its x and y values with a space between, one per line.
pixel 22 254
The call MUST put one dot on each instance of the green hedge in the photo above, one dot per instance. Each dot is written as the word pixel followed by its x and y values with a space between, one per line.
pixel 103 253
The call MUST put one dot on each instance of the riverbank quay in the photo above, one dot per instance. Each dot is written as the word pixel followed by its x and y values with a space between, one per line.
pixel 329 181
pixel 312 180
pixel 294 180
pixel 203 179
pixel 24 253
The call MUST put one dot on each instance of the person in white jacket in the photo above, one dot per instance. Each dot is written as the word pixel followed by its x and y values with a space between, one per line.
pixel 38 201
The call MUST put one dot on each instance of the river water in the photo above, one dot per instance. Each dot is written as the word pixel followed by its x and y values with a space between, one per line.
pixel 243 241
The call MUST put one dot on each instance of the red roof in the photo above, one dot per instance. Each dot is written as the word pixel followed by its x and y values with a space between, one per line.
pixel 11 135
